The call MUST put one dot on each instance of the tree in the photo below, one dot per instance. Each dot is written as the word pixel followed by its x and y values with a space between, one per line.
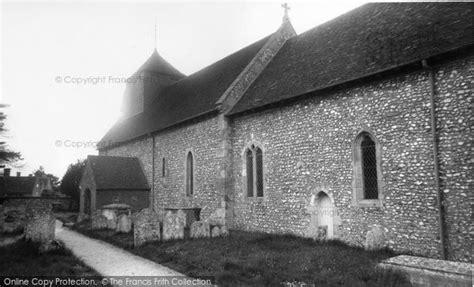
pixel 70 182
pixel 6 155
pixel 40 172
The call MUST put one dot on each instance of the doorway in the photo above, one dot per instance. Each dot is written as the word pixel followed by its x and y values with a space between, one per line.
pixel 325 216
pixel 87 201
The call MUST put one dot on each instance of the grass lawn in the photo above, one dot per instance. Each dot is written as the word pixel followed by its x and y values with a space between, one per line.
pixel 23 259
pixel 245 258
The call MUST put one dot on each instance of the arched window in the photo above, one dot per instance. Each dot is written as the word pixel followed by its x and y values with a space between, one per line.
pixel 367 171
pixel 369 168
pixel 259 171
pixel 254 171
pixel 189 174
pixel 249 164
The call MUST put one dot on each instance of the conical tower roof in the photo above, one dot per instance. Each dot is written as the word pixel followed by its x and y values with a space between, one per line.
pixel 157 64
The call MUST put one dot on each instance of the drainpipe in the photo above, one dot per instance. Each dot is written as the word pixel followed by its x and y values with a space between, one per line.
pixel 153 173
pixel 439 194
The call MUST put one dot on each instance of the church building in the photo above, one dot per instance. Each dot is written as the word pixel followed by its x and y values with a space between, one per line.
pixel 362 123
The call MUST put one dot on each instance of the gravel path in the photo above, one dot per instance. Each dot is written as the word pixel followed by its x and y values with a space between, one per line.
pixel 107 259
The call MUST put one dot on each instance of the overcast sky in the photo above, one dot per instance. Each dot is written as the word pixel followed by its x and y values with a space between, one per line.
pixel 45 46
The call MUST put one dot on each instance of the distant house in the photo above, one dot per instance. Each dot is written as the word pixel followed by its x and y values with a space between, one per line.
pixel 112 179
pixel 23 186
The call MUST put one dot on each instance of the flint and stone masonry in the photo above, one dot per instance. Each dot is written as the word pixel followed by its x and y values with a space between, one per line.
pixel 308 148
pixel 308 142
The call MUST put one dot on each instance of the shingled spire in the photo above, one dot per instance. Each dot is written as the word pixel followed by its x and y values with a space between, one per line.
pixel 146 83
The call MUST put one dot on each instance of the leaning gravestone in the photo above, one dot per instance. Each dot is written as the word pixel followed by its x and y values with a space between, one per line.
pixel 200 229
pixel 146 227
pixel 40 222
pixel 99 221
pixel 216 231
pixel 375 239
pixel 124 224
pixel 173 226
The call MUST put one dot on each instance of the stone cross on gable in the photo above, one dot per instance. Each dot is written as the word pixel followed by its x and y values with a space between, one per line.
pixel 286 7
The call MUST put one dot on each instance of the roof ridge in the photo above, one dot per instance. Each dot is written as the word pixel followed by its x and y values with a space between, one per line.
pixel 337 18
pixel 221 59
pixel 382 36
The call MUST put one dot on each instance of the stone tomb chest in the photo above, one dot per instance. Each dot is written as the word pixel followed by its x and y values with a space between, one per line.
pixel 113 211
pixel 191 215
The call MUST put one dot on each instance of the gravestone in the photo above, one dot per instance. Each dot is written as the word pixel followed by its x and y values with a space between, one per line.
pixel 112 223
pixel 420 271
pixel 14 220
pixel 173 225
pixel 146 227
pixel 14 215
pixel 200 229
pixel 375 239
pixel 81 217
pixel 40 222
pixel 224 231
pixel 99 221
pixel 112 213
pixel 50 245
pixel 216 231
pixel 217 217
pixel 124 224
pixel 322 232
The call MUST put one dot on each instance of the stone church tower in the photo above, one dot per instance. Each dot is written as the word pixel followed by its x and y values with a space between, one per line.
pixel 146 83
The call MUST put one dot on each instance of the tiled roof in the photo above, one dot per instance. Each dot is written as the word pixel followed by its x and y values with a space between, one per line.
pixel 157 64
pixel 113 172
pixel 17 186
pixel 370 39
pixel 193 95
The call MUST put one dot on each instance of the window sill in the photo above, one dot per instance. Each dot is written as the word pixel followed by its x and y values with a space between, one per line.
pixel 368 203
pixel 255 199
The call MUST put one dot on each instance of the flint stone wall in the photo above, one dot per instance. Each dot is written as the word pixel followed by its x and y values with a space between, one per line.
pixel 308 147
pixel 202 138
pixel 319 132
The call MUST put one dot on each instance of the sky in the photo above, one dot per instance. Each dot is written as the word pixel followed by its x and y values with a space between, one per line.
pixel 64 63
